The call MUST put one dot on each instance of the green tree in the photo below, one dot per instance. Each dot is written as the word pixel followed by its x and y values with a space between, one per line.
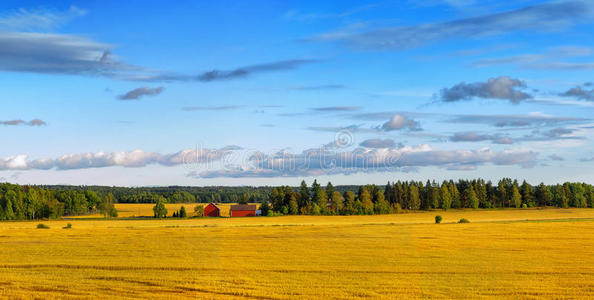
pixel 516 196
pixel 381 206
pixel 349 204
pixel 199 210
pixel 245 199
pixel 336 201
pixel 304 197
pixel 456 203
pixel 366 202
pixel 159 209
pixel 265 208
pixel 293 205
pixel 526 190
pixel 415 201
pixel 107 207
pixel 543 195
pixel 501 187
pixel 577 197
pixel 10 197
pixel 321 199
pixel 182 212
pixel 445 197
pixel 471 197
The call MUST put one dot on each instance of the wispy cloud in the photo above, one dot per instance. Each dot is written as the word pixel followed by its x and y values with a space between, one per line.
pixel 136 94
pixel 378 143
pixel 245 71
pixel 318 87
pixel 502 87
pixel 215 108
pixel 336 108
pixel 37 19
pixel 479 137
pixel 552 16
pixel 34 122
pixel 514 120
pixel 558 58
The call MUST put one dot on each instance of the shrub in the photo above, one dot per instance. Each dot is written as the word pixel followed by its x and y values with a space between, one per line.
pixel 524 205
pixel 463 220
pixel 438 219
pixel 42 226
pixel 68 226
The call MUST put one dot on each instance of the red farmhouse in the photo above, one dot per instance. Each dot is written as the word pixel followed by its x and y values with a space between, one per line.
pixel 212 210
pixel 243 210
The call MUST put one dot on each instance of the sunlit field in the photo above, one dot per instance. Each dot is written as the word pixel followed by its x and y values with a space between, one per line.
pixel 501 254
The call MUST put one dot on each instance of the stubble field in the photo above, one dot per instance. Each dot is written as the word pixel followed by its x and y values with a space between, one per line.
pixel 501 254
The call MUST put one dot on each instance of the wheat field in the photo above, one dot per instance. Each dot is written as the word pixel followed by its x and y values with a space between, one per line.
pixel 501 254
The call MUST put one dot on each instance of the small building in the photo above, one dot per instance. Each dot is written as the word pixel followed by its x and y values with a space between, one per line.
pixel 212 210
pixel 243 210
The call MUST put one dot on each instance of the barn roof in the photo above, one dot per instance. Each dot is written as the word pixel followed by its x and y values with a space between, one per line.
pixel 243 207
pixel 214 205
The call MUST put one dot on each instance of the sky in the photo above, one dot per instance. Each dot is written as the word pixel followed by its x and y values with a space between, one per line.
pixel 156 93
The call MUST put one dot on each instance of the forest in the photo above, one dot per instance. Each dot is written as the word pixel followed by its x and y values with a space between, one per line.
pixel 24 202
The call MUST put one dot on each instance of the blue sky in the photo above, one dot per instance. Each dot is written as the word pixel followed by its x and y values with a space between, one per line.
pixel 272 92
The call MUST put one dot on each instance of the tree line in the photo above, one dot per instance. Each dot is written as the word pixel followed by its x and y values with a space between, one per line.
pixel 413 195
pixel 42 202
pixel 34 202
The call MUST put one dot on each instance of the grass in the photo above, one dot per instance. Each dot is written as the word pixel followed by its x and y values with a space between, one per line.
pixel 501 254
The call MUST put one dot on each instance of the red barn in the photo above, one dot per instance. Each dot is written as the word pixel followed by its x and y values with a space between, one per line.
pixel 243 210
pixel 212 210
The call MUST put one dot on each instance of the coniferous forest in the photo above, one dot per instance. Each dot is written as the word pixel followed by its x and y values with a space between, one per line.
pixel 23 202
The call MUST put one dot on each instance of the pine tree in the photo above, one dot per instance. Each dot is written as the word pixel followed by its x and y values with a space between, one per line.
pixel 389 193
pixel 472 199
pixel 445 197
pixel 516 196
pixel 293 205
pixel 182 212
pixel 304 194
pixel 415 201
pixel 455 195
pixel 526 191
pixel 502 192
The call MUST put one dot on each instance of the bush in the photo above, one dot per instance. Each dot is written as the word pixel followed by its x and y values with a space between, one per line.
pixel 438 219
pixel 463 220
pixel 524 205
pixel 42 226
pixel 68 226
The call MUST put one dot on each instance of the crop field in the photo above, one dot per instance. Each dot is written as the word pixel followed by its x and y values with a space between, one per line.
pixel 547 253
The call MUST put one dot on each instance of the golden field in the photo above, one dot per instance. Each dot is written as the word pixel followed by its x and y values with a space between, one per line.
pixel 502 254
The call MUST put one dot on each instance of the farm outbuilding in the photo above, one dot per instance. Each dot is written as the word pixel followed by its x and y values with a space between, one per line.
pixel 212 210
pixel 243 210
